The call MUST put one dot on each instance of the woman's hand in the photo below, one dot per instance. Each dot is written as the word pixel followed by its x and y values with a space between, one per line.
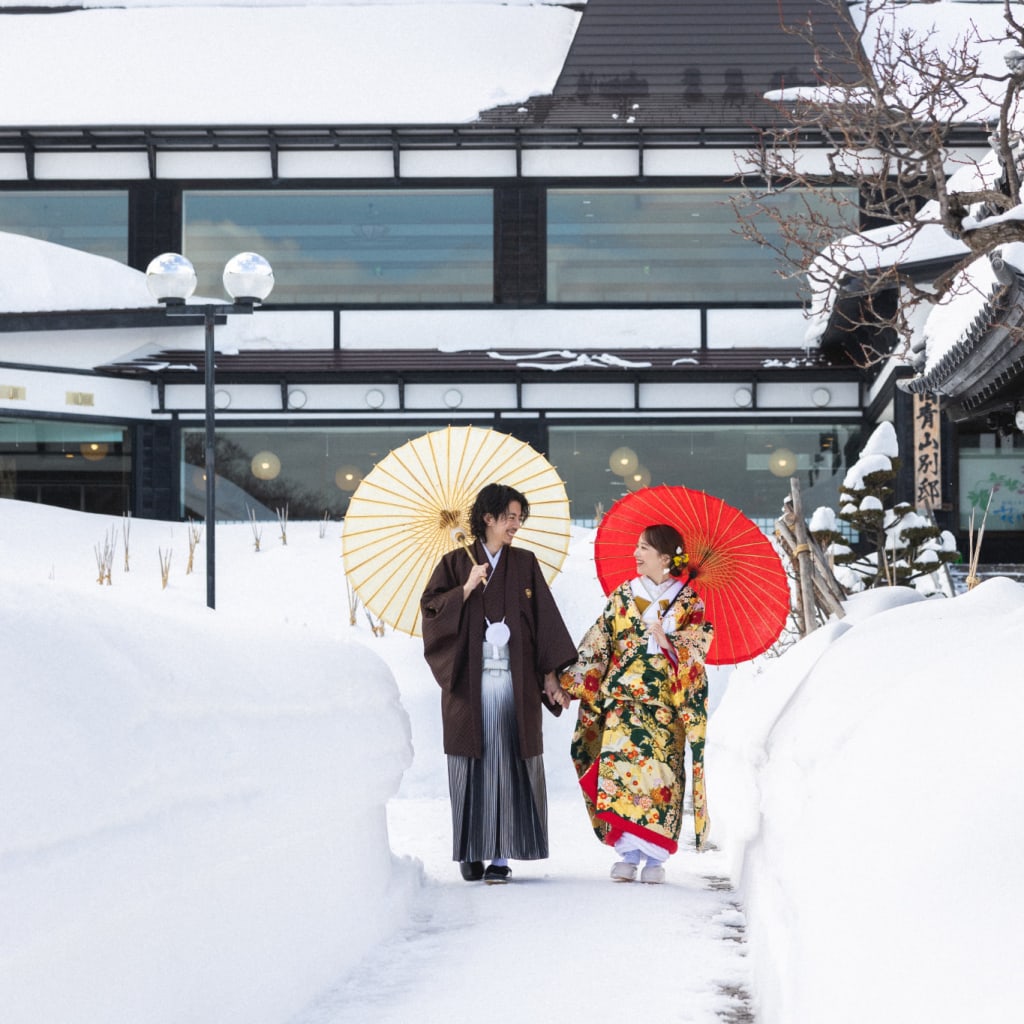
pixel 477 575
pixel 554 692
pixel 658 632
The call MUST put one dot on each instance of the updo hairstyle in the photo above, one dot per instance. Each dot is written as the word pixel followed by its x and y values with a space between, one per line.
pixel 667 540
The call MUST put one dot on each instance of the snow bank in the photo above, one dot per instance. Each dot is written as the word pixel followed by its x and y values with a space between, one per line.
pixel 860 782
pixel 185 796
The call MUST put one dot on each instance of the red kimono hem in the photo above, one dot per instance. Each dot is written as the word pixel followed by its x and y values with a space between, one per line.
pixel 618 826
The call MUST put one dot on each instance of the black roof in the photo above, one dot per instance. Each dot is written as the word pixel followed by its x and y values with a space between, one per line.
pixel 686 62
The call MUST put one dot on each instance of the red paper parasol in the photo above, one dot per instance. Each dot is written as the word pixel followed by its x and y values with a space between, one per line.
pixel 734 567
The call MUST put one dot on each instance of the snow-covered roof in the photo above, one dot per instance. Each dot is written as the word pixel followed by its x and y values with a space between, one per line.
pixel 183 62
pixel 37 275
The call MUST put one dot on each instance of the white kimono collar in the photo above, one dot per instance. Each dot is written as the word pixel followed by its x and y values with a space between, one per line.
pixel 655 592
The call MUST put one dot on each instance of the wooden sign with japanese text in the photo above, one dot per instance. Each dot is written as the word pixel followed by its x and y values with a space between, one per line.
pixel 927 453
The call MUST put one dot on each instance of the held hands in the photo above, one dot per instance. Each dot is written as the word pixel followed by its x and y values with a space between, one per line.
pixel 554 693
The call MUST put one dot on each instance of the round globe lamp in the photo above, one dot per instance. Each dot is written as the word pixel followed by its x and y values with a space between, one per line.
pixel 347 478
pixel 248 277
pixel 638 479
pixel 94 451
pixel 623 461
pixel 171 278
pixel 265 465
pixel 782 462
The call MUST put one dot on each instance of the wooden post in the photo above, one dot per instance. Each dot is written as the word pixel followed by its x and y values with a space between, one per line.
pixel 818 593
pixel 802 551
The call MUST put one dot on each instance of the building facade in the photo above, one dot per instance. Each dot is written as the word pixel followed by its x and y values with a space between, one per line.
pixel 567 269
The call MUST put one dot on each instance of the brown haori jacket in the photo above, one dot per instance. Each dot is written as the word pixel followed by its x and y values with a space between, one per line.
pixel 453 634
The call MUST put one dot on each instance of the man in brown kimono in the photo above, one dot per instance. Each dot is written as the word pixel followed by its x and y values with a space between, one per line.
pixel 495 642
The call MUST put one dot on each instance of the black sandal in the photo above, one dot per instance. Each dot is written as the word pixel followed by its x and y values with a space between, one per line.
pixel 497 874
pixel 472 870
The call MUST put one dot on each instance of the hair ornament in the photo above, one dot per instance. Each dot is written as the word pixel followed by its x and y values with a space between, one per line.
pixel 679 559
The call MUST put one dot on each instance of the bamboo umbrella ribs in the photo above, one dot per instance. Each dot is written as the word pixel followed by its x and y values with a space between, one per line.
pixel 733 566
pixel 413 507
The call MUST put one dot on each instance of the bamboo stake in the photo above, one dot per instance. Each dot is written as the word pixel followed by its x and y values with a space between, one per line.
pixel 126 529
pixel 974 553
pixel 823 581
pixel 802 552
pixel 282 518
pixel 353 603
pixel 165 566
pixel 194 533
pixel 257 531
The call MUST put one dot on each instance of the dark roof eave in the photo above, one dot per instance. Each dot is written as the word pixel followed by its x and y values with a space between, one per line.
pixel 846 310
pixel 529 125
pixel 185 366
pixel 984 370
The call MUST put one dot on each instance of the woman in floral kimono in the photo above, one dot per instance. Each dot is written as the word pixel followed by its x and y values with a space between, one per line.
pixel 642 688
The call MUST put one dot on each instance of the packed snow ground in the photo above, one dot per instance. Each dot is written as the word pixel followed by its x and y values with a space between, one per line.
pixel 240 816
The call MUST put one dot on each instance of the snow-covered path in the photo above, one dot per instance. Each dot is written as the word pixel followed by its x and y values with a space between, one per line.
pixel 521 952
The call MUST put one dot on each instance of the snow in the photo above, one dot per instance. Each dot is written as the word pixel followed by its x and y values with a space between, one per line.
pixel 864 467
pixel 823 519
pixel 880 868
pixel 952 318
pixel 979 28
pixel 38 275
pixel 184 63
pixel 241 816
pixel 882 441
pixel 943 29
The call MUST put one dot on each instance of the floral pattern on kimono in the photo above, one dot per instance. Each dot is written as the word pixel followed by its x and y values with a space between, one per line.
pixel 638 710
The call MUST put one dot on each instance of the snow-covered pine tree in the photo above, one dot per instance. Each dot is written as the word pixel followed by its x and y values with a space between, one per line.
pixel 898 545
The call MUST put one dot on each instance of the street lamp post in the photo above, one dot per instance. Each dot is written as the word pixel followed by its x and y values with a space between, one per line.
pixel 248 279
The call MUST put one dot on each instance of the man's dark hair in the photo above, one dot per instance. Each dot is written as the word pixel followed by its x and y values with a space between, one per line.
pixel 494 499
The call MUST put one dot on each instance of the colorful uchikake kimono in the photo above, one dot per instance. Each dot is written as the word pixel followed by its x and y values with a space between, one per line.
pixel 639 707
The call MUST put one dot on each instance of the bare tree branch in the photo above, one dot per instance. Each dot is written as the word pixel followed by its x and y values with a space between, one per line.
pixel 887 136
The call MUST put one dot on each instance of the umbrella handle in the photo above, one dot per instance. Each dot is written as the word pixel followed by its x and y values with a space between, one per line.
pixel 459 536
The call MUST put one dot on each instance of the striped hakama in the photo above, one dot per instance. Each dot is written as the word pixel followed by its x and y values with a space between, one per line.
pixel 499 803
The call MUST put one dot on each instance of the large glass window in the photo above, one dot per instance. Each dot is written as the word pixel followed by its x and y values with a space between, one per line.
pixel 95 222
pixel 313 471
pixel 992 463
pixel 81 466
pixel 663 245
pixel 745 465
pixel 379 246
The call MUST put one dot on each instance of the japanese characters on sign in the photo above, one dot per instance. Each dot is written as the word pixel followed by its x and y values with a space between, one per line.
pixel 927 453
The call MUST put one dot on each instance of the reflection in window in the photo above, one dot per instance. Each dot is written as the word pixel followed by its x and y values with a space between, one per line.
pixel 82 466
pixel 661 245
pixel 431 245
pixel 747 466
pixel 993 463
pixel 313 471
pixel 95 222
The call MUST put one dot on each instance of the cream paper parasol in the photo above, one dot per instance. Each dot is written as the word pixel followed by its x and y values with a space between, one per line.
pixel 413 507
